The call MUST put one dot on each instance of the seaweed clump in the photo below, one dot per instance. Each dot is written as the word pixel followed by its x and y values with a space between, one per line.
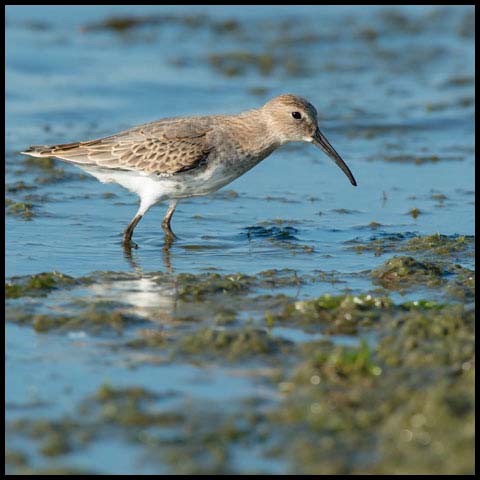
pixel 234 344
pixel 403 272
pixel 40 284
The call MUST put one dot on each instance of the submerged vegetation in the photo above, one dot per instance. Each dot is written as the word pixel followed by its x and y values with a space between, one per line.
pixel 406 384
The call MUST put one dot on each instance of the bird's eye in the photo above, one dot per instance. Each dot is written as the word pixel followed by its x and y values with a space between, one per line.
pixel 296 115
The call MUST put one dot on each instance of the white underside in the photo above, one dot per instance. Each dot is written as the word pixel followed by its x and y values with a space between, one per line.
pixel 152 189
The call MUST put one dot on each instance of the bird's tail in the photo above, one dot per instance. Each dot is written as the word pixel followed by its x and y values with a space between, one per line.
pixel 50 150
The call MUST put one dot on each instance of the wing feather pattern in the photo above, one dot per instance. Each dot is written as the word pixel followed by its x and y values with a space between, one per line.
pixel 164 148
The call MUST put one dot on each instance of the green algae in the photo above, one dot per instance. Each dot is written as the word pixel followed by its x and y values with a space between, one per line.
pixel 440 338
pixel 128 407
pixel 49 171
pixel 57 471
pixel 109 195
pixel 241 62
pixel 233 344
pixel 427 436
pixel 96 317
pixel 439 245
pixel 420 159
pixel 54 437
pixel 118 24
pixel 201 247
pixel 345 314
pixel 40 284
pixel 382 404
pixel 92 320
pixel 403 272
pixel 274 278
pixel 459 80
pixel 344 211
pixel 23 210
pixel 337 314
pixel 462 287
pixel 225 317
pixel 368 34
pixel 414 212
pixel 19 187
pixel 258 91
pixel 464 102
pixel 338 409
pixel 46 164
pixel 226 194
pixel 125 24
pixel 148 338
pixel 436 245
pixel 124 408
pixel 424 304
pixel 237 63
pixel 439 197
pixel 336 405
pixel 202 286
pixel 338 364
pixel 197 287
pixel 107 393
pixel 122 24
pixel 53 445
pixel 15 458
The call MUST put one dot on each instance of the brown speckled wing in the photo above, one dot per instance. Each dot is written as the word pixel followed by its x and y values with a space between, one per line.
pixel 163 148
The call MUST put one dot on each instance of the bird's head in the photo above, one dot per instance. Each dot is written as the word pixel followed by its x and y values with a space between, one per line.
pixel 293 119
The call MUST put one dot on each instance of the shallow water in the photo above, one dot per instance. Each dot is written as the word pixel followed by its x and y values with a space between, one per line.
pixel 395 94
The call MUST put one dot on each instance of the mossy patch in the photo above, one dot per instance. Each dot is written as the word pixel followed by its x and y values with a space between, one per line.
pixel 336 409
pixel 404 272
pixel 233 344
pixel 39 284
pixel 340 314
pixel 236 63
pixel 421 159
pixel 197 287
pixel 128 407
pixel 23 210
pixel 448 247
pixel 19 187
pixel 148 338
pixel 95 317
pixel 405 406
pixel 414 212
pixel 439 245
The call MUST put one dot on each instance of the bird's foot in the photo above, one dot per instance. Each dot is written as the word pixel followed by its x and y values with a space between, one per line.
pixel 128 244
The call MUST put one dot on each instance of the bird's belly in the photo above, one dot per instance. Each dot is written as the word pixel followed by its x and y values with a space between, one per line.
pixel 155 189
pixel 199 183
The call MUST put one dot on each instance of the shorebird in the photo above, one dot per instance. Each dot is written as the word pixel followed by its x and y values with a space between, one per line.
pixel 181 157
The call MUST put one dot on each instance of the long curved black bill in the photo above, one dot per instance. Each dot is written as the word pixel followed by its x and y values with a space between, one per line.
pixel 321 142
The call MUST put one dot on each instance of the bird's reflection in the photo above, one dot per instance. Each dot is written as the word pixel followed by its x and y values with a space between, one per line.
pixel 129 253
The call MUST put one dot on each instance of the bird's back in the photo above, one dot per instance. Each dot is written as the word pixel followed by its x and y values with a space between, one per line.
pixel 165 146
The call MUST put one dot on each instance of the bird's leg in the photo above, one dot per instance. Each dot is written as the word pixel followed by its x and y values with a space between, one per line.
pixel 127 234
pixel 167 218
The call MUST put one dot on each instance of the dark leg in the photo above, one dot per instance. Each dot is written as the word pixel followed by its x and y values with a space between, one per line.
pixel 127 234
pixel 168 217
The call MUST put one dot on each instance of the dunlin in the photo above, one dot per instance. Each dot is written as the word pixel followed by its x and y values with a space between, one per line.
pixel 181 157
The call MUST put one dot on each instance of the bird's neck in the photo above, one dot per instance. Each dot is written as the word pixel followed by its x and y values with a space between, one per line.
pixel 254 134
